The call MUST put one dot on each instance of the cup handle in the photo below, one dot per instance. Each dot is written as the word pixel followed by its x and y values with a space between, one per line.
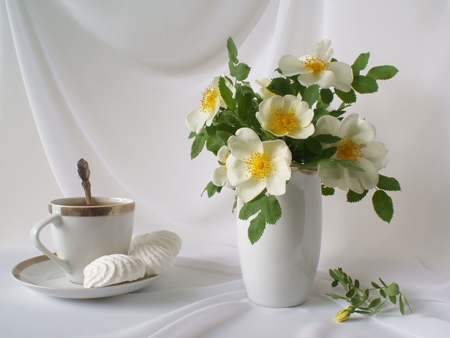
pixel 34 235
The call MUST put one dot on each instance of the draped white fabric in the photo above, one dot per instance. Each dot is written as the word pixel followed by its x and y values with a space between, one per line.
pixel 112 82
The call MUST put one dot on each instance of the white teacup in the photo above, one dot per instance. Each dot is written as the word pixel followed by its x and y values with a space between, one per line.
pixel 82 233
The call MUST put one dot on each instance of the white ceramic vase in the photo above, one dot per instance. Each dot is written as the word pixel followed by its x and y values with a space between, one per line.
pixel 279 269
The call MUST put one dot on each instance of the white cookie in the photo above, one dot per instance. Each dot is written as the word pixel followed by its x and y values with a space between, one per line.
pixel 113 269
pixel 164 238
pixel 157 259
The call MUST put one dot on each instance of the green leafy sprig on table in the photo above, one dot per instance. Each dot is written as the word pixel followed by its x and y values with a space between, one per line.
pixel 309 153
pixel 359 299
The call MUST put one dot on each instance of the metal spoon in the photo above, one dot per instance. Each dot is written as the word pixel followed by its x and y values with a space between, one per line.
pixel 84 173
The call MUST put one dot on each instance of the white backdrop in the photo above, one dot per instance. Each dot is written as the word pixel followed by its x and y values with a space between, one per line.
pixel 113 81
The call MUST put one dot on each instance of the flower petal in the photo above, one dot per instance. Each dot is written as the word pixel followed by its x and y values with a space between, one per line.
pixel 327 125
pixel 376 153
pixel 245 141
pixel 358 181
pixel 236 171
pixel 249 189
pixel 290 65
pixel 195 119
pixel 323 50
pixel 278 148
pixel 355 128
pixel 219 176
pixel 343 75
pixel 324 79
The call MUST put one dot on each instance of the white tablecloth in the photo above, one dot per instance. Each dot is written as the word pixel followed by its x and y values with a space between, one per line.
pixel 206 298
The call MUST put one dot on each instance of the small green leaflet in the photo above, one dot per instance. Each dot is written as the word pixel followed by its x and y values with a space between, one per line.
pixel 281 86
pixel 364 85
pixel 311 94
pixel 388 183
pixel 198 144
pixel 211 189
pixel 360 63
pixel 346 97
pixel 382 72
pixel 256 228
pixel 227 94
pixel 383 205
pixel 232 50
pixel 353 197
pixel 271 210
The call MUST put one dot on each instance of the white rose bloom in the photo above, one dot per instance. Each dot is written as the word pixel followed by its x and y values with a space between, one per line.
pixel 219 175
pixel 210 104
pixel 317 68
pixel 263 91
pixel 254 165
pixel 357 145
pixel 286 116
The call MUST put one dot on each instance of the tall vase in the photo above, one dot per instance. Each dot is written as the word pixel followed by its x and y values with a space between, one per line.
pixel 279 269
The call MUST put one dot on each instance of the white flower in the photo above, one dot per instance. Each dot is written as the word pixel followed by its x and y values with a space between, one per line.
pixel 210 104
pixel 317 68
pixel 286 116
pixel 254 165
pixel 356 145
pixel 263 91
pixel 219 176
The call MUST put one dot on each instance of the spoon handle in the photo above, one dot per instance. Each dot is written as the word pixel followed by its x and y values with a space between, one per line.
pixel 84 173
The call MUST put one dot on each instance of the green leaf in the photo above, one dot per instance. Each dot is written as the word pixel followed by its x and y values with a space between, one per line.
pixel 349 165
pixel 346 97
pixel 334 283
pixel 364 85
pixel 311 94
pixel 242 71
pixel 393 299
pixel 198 144
pixel 271 210
pixel 382 72
pixel 388 183
pixel 314 145
pixel 252 207
pixel 328 152
pixel 382 282
pixel 329 164
pixel 245 107
pixel 374 303
pixel 211 189
pixel 392 290
pixel 256 228
pixel 327 138
pixel 383 205
pixel 192 134
pixel 232 50
pixel 281 86
pixel 353 197
pixel 356 283
pixel 382 293
pixel 401 305
pixel 350 293
pixel 227 94
pixel 360 63
pixel 327 191
pixel 375 285
pixel 335 296
pixel 326 95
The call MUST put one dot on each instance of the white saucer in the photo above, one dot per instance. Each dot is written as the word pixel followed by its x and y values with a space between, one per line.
pixel 43 275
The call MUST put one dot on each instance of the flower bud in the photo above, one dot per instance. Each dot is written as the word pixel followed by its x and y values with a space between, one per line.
pixel 342 316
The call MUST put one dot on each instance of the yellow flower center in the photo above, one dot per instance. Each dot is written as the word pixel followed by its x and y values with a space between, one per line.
pixel 259 165
pixel 315 64
pixel 209 100
pixel 348 150
pixel 285 123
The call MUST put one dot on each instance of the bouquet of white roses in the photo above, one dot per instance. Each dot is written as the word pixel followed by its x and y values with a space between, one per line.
pixel 291 122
